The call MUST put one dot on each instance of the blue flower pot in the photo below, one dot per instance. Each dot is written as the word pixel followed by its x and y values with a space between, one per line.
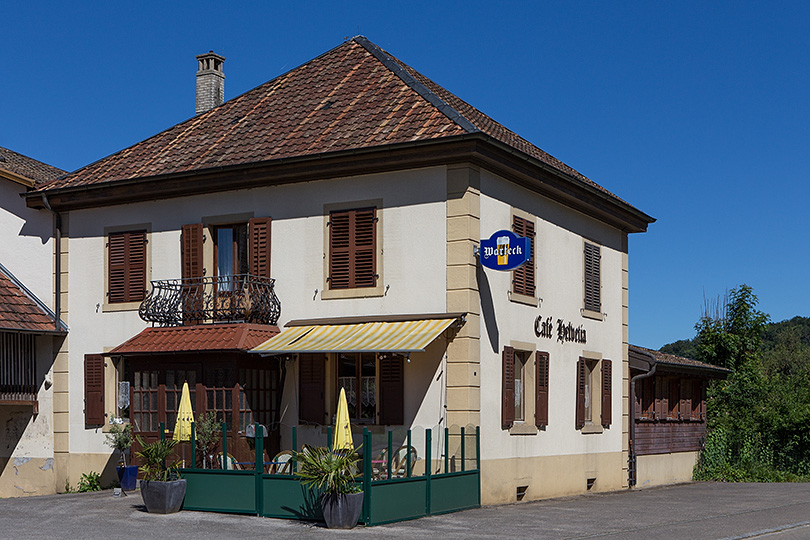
pixel 128 476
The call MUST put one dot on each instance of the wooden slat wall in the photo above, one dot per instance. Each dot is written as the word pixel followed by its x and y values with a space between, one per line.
pixel 666 437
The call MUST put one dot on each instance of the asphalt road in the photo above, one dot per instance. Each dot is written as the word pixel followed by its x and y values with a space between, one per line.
pixel 697 511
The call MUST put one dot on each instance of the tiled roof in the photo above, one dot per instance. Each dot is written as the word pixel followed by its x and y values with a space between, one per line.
pixel 667 359
pixel 27 167
pixel 351 97
pixel 20 310
pixel 197 338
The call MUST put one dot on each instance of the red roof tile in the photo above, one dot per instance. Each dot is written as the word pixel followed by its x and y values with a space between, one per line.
pixel 353 96
pixel 197 338
pixel 20 310
pixel 666 359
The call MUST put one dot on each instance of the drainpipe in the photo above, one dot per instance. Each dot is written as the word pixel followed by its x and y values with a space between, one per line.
pixel 632 457
pixel 58 266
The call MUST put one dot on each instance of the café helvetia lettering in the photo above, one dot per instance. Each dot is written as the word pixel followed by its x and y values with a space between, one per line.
pixel 545 328
pixel 504 250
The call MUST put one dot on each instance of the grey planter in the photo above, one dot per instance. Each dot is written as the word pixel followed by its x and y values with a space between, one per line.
pixel 342 510
pixel 163 497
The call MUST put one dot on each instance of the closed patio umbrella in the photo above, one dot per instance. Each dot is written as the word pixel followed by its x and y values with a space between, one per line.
pixel 185 417
pixel 343 428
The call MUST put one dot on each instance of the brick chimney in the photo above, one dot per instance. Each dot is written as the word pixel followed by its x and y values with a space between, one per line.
pixel 210 81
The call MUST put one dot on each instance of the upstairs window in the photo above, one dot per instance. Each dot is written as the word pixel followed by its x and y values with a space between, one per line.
pixel 230 253
pixel 352 248
pixel 126 253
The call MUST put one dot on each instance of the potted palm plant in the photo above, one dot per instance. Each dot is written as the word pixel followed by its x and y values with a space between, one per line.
pixel 334 472
pixel 162 488
pixel 120 438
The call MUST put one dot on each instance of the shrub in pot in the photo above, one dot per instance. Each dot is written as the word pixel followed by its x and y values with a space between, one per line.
pixel 334 472
pixel 162 488
pixel 120 438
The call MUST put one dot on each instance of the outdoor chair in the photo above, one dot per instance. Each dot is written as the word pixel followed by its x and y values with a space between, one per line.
pixel 282 463
pixel 230 462
pixel 399 462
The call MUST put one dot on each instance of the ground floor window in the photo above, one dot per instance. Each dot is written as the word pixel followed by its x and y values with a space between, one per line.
pixel 17 368
pixel 594 393
pixel 357 375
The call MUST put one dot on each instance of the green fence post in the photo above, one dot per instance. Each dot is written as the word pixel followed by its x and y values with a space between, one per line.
pixel 163 431
pixel 193 445
pixel 388 454
pixel 478 448
pixel 224 446
pixel 329 437
pixel 294 448
pixel 428 466
pixel 258 468
pixel 446 450
pixel 366 476
pixel 462 449
pixel 409 453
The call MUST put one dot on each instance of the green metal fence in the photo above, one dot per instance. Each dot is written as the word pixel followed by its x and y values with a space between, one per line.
pixel 394 489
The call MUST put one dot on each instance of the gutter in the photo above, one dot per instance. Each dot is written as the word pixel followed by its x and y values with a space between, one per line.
pixel 58 265
pixel 631 461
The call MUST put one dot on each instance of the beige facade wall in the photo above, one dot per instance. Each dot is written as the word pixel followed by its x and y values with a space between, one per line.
pixel 545 477
pixel 663 469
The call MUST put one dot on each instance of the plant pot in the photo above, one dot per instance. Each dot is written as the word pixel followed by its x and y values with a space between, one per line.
pixel 128 477
pixel 341 510
pixel 163 497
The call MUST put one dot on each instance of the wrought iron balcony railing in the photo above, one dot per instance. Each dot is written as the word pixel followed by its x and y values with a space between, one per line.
pixel 239 298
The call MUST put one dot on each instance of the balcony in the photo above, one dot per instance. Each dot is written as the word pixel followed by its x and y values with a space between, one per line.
pixel 238 298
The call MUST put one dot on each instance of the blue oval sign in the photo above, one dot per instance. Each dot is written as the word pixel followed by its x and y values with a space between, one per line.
pixel 505 250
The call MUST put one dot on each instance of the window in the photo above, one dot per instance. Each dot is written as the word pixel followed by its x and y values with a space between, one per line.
pixel 592 279
pixel 594 394
pixel 230 254
pixel 18 368
pixel 126 266
pixel 353 248
pixel 523 281
pixel 521 380
pixel 374 385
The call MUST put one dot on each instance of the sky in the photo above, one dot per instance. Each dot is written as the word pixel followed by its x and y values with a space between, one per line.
pixel 697 113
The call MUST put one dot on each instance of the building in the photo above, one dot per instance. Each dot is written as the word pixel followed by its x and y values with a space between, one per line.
pixel 31 333
pixel 348 197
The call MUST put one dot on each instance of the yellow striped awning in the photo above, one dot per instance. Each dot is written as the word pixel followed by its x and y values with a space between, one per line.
pixel 400 336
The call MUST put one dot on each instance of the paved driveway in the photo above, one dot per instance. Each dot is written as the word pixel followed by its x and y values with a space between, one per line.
pixel 692 511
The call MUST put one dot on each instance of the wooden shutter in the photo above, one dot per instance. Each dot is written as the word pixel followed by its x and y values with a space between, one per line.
pixel 661 405
pixel 93 390
pixel 523 281
pixel 697 391
pixel 685 395
pixel 392 391
pixel 508 391
pixel 593 300
pixel 259 247
pixel 607 392
pixel 673 399
pixel 647 398
pixel 192 251
pixel 352 248
pixel 541 394
pixel 126 266
pixel 580 411
pixel 311 403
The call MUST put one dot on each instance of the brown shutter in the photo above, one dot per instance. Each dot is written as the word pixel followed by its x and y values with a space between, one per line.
pixel 352 249
pixel 541 397
pixel 117 267
pixel 508 391
pixel 93 390
pixel 193 251
pixel 593 300
pixel 696 395
pixel 648 399
pixel 673 400
pixel 392 391
pixel 259 248
pixel 311 405
pixel 580 411
pixel 607 392
pixel 660 398
pixel 136 266
pixel 523 281
pixel 685 394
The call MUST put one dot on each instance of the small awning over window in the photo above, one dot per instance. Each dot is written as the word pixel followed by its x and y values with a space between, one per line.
pixel 379 336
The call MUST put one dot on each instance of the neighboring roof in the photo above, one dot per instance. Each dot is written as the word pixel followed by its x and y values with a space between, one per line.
pixel 353 97
pixel 21 310
pixel 25 170
pixel 196 338
pixel 665 360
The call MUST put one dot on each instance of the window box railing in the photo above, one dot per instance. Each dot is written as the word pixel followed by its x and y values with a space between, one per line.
pixel 238 298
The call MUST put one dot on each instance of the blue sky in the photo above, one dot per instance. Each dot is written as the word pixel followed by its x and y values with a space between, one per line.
pixel 697 113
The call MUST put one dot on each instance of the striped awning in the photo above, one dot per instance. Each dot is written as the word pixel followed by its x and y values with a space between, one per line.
pixel 399 336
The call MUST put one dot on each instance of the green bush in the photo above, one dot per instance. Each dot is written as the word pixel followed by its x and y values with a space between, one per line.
pixel 90 481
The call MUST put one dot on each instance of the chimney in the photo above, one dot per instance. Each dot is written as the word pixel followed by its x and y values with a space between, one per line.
pixel 210 81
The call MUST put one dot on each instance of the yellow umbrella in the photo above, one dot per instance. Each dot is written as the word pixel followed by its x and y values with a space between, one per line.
pixel 343 428
pixel 185 416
